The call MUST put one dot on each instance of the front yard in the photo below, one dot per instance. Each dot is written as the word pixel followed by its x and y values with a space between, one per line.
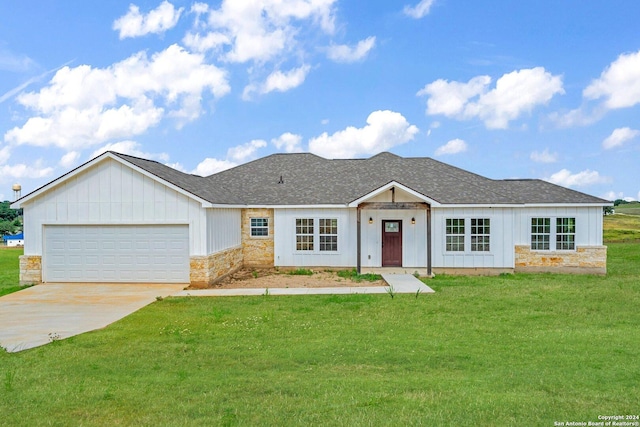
pixel 508 350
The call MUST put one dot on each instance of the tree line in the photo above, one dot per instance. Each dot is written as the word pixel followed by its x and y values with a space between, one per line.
pixel 10 219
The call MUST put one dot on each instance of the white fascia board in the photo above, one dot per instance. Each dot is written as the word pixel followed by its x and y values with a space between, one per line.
pixel 527 205
pixel 386 187
pixel 107 155
pixel 221 206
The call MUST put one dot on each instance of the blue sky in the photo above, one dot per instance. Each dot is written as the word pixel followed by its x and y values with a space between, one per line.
pixel 531 89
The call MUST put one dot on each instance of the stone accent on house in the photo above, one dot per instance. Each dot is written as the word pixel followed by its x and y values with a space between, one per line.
pixel 30 269
pixel 206 270
pixel 585 260
pixel 257 251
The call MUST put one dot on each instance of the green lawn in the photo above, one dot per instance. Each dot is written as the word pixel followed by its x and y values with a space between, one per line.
pixel 509 350
pixel 9 270
pixel 621 228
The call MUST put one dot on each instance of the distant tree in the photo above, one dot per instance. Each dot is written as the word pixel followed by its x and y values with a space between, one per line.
pixel 608 210
pixel 7 227
pixel 620 202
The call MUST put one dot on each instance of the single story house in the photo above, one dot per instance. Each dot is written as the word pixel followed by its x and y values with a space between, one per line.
pixel 13 240
pixel 119 218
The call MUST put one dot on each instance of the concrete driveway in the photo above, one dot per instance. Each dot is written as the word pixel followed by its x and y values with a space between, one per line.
pixel 37 315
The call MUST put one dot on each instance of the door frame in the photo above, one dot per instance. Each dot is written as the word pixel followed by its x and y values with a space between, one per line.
pixel 382 241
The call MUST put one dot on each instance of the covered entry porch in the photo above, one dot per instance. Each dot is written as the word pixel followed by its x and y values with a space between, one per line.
pixel 394 231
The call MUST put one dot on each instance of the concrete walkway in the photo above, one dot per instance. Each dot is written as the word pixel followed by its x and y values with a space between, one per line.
pixel 40 314
pixel 400 283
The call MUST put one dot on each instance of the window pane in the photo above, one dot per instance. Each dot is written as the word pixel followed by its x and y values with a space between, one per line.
pixel 259 227
pixel 304 234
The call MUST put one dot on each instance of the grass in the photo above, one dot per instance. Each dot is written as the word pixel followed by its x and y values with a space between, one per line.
pixel 9 270
pixel 629 209
pixel 620 228
pixel 509 350
pixel 353 275
pixel 300 272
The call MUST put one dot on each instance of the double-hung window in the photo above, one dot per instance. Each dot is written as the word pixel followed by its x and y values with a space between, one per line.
pixel 480 234
pixel 455 235
pixel 540 234
pixel 563 234
pixel 317 234
pixel 259 227
pixel 304 234
pixel 468 235
pixel 328 235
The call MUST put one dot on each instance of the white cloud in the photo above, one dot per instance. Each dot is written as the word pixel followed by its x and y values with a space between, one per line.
pixel 619 84
pixel 243 152
pixel 259 30
pixel 291 143
pixel 5 153
pixel 344 53
pixel 565 178
pixel 454 146
pixel 384 130
pixel 515 94
pixel 209 166
pixel 13 62
pixel 85 106
pixel 70 159
pixel 618 137
pixel 279 81
pixel 22 171
pixel 158 20
pixel 544 157
pixel 420 10
pixel 612 195
pixel 131 148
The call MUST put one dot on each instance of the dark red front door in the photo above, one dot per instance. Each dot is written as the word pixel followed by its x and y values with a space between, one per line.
pixel 392 243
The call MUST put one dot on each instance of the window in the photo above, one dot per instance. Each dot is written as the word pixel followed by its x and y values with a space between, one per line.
pixel 455 234
pixel 540 234
pixel 259 227
pixel 480 232
pixel 328 235
pixel 565 234
pixel 304 234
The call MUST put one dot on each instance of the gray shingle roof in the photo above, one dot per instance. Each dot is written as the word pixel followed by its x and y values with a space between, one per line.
pixel 311 180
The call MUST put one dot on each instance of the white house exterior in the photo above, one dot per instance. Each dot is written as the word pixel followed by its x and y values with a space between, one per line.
pixel 14 241
pixel 119 218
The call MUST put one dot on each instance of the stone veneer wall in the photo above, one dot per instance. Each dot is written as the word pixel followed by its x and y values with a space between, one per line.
pixel 30 269
pixel 257 251
pixel 585 259
pixel 206 270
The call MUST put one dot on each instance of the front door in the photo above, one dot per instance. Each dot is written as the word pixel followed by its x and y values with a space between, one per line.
pixel 392 243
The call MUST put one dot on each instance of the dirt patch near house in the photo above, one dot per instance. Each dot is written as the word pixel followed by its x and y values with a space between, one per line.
pixel 272 278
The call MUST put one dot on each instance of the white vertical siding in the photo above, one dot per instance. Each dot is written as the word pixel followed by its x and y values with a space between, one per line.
pixel 112 193
pixel 501 254
pixel 285 239
pixel 589 223
pixel 223 229
pixel 414 236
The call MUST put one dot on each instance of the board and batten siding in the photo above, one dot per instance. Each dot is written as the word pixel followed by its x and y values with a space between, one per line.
pixel 223 229
pixel 285 254
pixel 414 236
pixel 589 223
pixel 112 193
pixel 501 253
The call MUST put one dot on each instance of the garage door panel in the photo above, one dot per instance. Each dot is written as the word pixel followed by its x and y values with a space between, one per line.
pixel 135 253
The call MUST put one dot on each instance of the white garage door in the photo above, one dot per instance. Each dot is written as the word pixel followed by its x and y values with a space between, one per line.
pixel 103 253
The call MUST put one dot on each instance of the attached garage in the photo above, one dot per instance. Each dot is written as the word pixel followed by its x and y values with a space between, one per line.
pixel 116 253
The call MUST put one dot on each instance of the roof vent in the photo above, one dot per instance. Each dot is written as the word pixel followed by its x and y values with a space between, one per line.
pixel 281 181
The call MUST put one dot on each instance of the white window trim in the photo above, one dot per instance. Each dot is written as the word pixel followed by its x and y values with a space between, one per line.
pixel 553 234
pixel 251 228
pixel 316 236
pixel 467 235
